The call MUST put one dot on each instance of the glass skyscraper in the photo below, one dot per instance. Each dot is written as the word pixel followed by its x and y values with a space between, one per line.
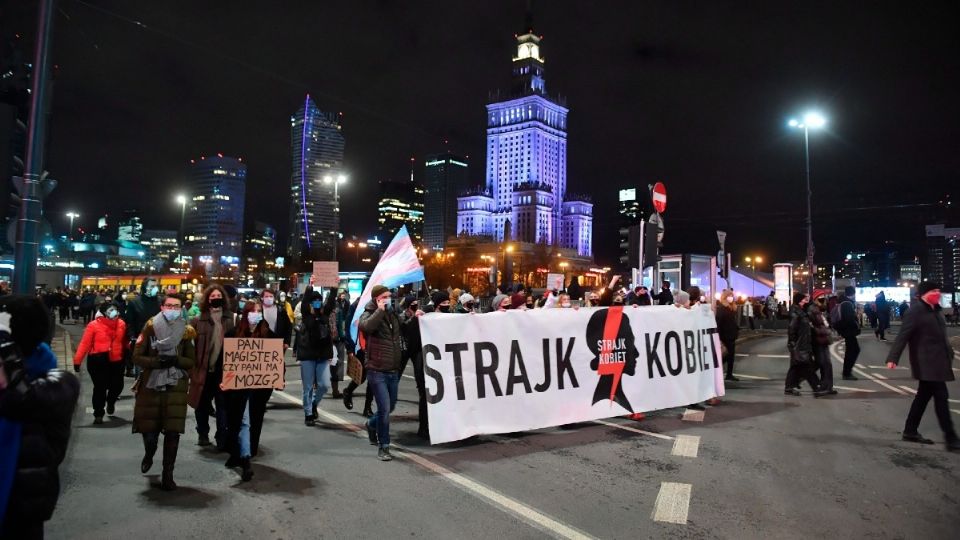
pixel 317 144
pixel 445 179
pixel 213 218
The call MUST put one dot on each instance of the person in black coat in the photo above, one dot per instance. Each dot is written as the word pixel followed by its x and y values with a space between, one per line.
pixel 849 329
pixel 412 350
pixel 883 316
pixel 728 330
pixel 924 329
pixel 315 350
pixel 800 343
pixel 36 407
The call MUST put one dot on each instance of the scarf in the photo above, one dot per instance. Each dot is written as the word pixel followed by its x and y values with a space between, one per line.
pixel 216 345
pixel 37 365
pixel 166 340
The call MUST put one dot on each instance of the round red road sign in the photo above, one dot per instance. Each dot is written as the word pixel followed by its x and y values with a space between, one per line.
pixel 659 197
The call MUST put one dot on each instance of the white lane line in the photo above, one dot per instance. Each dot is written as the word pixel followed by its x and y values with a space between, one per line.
pixel 773 356
pixel 686 446
pixel 505 503
pixel 885 367
pixel 742 354
pixel 120 408
pixel 673 503
pixel 837 358
pixel 881 376
pixel 908 389
pixel 409 377
pixel 753 377
pixel 852 389
pixel 955 411
pixel 635 430
pixel 692 415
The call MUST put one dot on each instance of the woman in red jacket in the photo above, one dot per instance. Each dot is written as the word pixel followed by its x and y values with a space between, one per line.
pixel 102 344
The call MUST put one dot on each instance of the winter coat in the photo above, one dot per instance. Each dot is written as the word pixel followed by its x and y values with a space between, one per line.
pixel 138 312
pixel 102 335
pixel 161 411
pixel 381 329
pixel 44 407
pixel 931 356
pixel 727 326
pixel 410 330
pixel 800 331
pixel 317 331
pixel 204 327
pixel 821 332
pixel 284 327
pixel 848 326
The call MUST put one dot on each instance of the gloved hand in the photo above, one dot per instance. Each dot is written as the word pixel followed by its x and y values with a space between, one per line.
pixel 168 361
pixel 76 368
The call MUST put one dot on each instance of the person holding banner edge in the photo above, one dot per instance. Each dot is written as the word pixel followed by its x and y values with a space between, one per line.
pixel 381 329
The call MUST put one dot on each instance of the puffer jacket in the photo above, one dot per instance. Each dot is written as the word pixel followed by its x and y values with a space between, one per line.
pixel 381 329
pixel 44 407
pixel 161 411
pixel 800 331
pixel 102 335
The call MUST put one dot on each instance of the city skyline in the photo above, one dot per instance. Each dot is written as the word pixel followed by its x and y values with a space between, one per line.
pixel 650 106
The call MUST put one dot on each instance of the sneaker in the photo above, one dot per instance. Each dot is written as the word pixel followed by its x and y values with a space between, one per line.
pixel 371 434
pixel 383 454
pixel 917 438
pixel 953 444
pixel 850 378
pixel 348 400
pixel 111 408
pixel 821 393
pixel 97 419
pixel 791 392
pixel 204 441
pixel 637 416
pixel 310 421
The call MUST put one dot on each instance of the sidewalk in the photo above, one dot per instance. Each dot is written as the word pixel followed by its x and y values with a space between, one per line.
pixel 62 346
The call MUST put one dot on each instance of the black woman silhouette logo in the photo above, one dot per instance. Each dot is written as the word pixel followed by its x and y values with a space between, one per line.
pixel 611 340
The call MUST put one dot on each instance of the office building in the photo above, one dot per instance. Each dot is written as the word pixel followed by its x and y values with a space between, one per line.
pixel 942 257
pixel 401 203
pixel 317 151
pixel 259 249
pixel 526 167
pixel 213 218
pixel 130 228
pixel 445 179
pixel 629 214
pixel 161 247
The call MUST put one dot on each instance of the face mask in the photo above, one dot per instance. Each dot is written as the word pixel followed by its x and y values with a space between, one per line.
pixel 414 306
pixel 171 314
pixel 112 313
pixel 443 309
pixel 283 297
pixel 216 303
pixel 933 298
pixel 254 318
pixel 729 299
pixel 268 301
pixel 469 306
pixel 152 291
pixel 123 296
pixel 565 304
pixel 316 304
pixel 241 303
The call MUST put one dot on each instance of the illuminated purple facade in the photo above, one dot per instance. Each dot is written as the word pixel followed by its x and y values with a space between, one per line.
pixel 526 180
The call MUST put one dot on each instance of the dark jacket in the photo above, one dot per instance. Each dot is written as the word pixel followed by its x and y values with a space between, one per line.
pixel 44 407
pixel 317 331
pixel 821 332
pixel 284 327
pixel 848 325
pixel 140 310
pixel 665 298
pixel 727 326
pixel 800 331
pixel 410 329
pixel 204 332
pixel 381 329
pixel 925 330
pixel 161 411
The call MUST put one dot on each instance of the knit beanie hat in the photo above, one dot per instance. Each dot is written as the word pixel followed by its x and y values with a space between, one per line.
pixel 926 286
pixel 377 290
pixel 497 300
pixel 466 298
pixel 440 297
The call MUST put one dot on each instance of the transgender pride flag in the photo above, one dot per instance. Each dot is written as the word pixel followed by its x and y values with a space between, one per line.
pixel 398 266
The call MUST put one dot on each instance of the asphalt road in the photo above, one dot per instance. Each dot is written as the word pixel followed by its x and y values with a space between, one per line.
pixel 760 465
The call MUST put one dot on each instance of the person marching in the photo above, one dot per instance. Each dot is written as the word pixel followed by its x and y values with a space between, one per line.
pixel 410 329
pixel 924 329
pixel 139 310
pixel 803 363
pixel 102 344
pixel 315 350
pixel 728 330
pixel 165 352
pixel 216 320
pixel 381 328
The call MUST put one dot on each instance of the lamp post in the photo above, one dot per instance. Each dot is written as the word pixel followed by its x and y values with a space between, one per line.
pixel 71 215
pixel 811 120
pixel 752 261
pixel 182 201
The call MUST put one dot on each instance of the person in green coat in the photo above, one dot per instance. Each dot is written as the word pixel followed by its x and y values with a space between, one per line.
pixel 165 352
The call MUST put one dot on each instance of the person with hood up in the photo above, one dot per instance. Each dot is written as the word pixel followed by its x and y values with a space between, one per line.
pixel 574 289
pixel 381 329
pixel 102 344
pixel 803 362
pixel 316 331
pixel 467 304
pixel 166 353
pixel 140 310
pixel 36 406
pixel 883 316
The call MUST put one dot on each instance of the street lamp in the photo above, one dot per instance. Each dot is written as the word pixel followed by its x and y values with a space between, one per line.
pixel 811 120
pixel 72 216
pixel 182 201
pixel 752 261
pixel 340 179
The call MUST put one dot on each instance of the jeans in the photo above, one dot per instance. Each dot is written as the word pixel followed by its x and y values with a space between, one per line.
pixel 107 380
pixel 314 372
pixel 384 385
pixel 822 355
pixel 212 395
pixel 245 432
pixel 926 390
pixel 850 355
pixel 245 410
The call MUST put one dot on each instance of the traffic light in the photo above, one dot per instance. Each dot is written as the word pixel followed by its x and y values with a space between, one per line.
pixel 650 245
pixel 633 246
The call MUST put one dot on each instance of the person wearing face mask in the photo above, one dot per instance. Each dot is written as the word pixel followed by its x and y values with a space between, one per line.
pixel 140 310
pixel 165 350
pixel 501 303
pixel 728 329
pixel 343 343
pixel 245 409
pixel 441 302
pixel 412 351
pixel 381 328
pixel 924 330
pixel 803 362
pixel 276 316
pixel 467 304
pixel 102 344
pixel 315 350
pixel 216 320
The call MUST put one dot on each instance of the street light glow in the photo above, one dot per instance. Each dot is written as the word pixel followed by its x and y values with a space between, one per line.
pixel 72 215
pixel 341 179
pixel 327 179
pixel 181 199
pixel 814 120
pixel 793 122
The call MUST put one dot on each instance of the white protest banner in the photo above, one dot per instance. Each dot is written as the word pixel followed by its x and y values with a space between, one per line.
pixel 251 363
pixel 326 273
pixel 521 370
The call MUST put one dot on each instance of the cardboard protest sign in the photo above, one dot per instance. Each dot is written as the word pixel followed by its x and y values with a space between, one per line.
pixel 555 281
pixel 326 273
pixel 251 363
pixel 354 368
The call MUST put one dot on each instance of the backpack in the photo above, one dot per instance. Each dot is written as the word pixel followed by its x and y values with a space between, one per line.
pixel 836 314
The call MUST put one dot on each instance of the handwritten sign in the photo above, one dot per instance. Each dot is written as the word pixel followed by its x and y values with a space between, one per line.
pixel 555 281
pixel 326 273
pixel 251 363
pixel 354 368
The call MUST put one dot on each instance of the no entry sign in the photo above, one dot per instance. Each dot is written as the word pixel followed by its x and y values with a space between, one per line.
pixel 659 197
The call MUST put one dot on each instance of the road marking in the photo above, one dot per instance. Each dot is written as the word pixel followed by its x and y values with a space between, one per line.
pixel 673 503
pixel 914 392
pixel 120 408
pixel 753 377
pixel 686 445
pixel 836 356
pixel 885 367
pixel 880 376
pixel 409 377
pixel 693 415
pixel 635 430
pixel 505 503
pixel 852 389
pixel 773 355
pixel 742 354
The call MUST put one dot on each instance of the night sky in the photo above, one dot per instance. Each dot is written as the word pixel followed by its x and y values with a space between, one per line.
pixel 694 94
